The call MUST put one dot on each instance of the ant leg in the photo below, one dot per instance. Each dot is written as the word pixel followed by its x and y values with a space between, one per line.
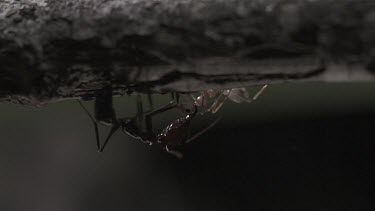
pixel 216 106
pixel 193 97
pixel 139 109
pixel 114 128
pixel 177 101
pixel 175 97
pixel 172 104
pixel 204 130
pixel 257 94
pixel 218 103
pixel 260 92
pixel 172 95
pixel 95 124
pixel 150 102
pixel 149 115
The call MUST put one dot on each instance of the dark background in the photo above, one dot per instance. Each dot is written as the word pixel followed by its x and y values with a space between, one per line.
pixel 299 147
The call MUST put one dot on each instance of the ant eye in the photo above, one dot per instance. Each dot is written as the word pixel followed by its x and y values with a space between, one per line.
pixel 188 110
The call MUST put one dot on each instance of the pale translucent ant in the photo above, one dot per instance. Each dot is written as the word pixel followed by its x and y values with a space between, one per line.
pixel 212 100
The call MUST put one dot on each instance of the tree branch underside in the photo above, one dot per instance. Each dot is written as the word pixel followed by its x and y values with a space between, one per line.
pixel 53 50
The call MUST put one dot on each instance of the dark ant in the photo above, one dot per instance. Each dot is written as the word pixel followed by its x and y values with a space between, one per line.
pixel 172 137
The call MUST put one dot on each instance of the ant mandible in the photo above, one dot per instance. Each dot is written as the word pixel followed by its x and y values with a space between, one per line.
pixel 172 137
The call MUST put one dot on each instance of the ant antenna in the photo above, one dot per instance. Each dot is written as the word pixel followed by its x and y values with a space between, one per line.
pixel 204 130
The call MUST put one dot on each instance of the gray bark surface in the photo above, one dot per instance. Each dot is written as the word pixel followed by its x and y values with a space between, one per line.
pixel 59 49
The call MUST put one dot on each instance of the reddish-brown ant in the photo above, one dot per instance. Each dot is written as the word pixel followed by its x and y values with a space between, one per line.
pixel 172 137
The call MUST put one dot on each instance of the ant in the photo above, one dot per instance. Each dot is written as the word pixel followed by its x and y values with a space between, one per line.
pixel 237 95
pixel 172 137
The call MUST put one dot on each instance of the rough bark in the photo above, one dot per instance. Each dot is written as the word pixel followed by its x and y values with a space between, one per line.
pixel 58 49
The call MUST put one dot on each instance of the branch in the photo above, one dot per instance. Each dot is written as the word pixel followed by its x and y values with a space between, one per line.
pixel 53 50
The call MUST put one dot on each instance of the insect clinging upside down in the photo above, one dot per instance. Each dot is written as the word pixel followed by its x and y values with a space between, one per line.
pixel 218 97
pixel 172 137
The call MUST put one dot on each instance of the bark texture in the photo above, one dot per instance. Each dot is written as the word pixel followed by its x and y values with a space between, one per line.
pixel 58 49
